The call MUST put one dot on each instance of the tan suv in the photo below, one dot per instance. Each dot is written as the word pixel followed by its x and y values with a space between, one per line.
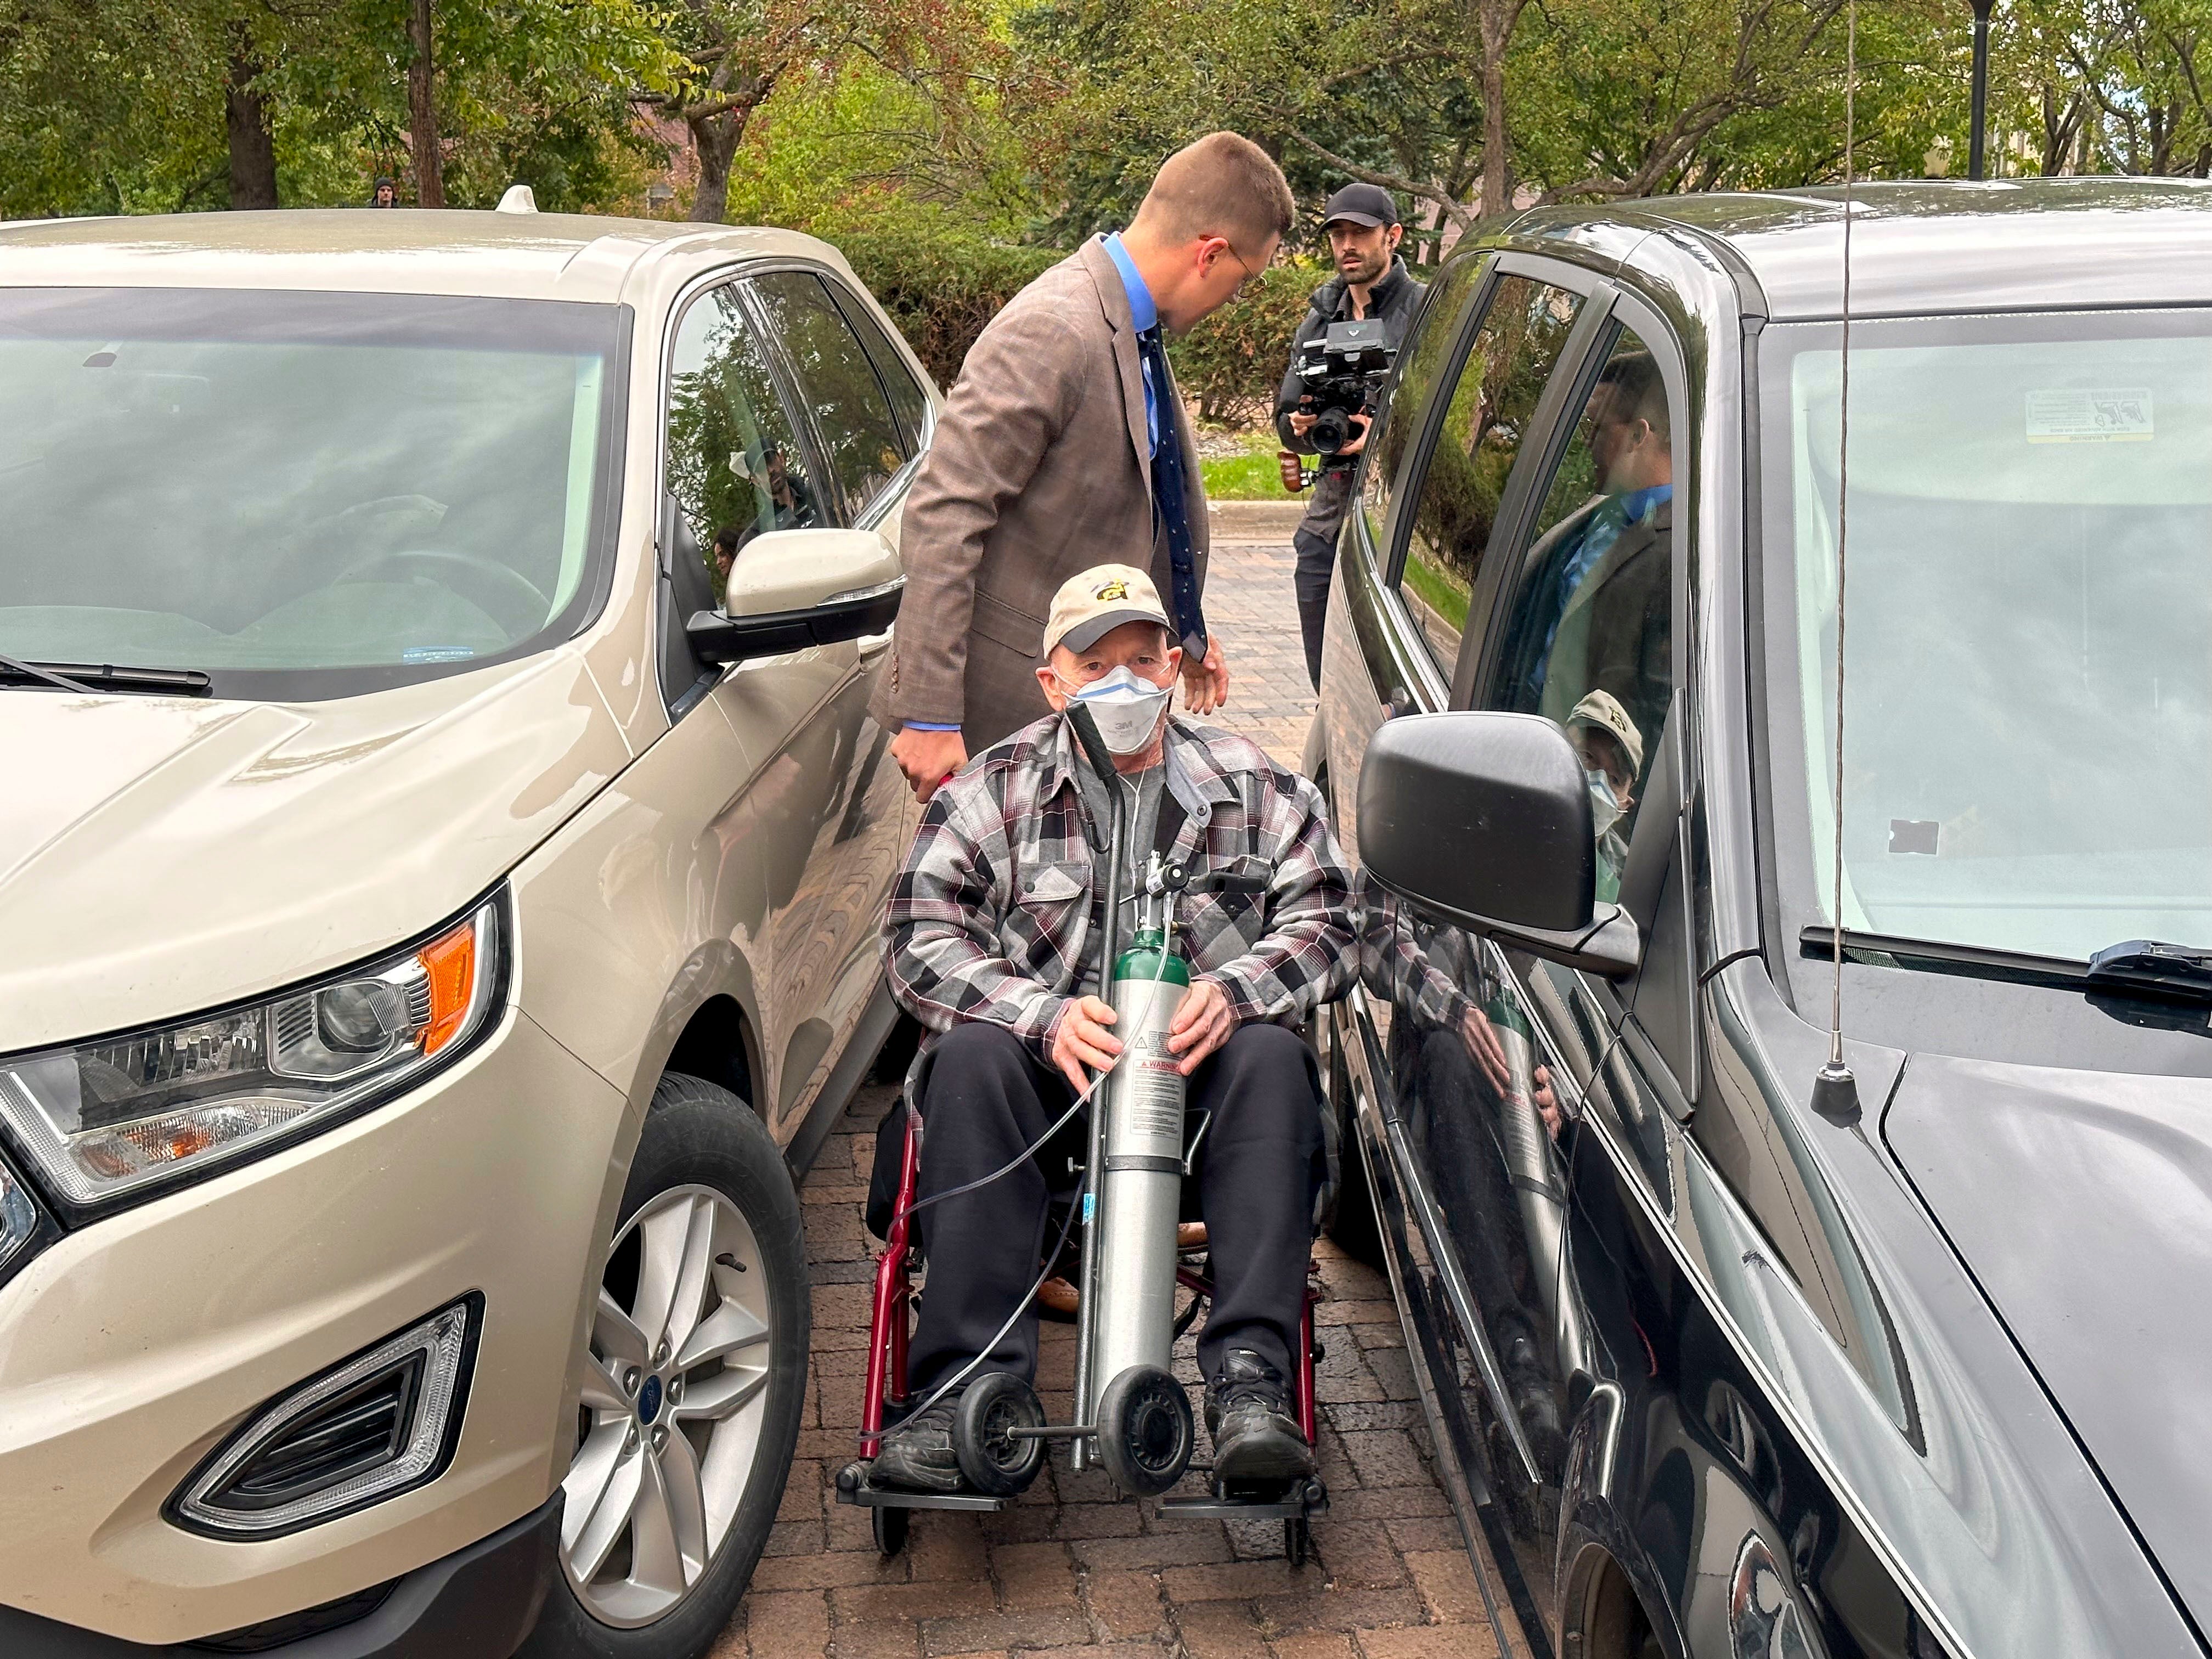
pixel 431 929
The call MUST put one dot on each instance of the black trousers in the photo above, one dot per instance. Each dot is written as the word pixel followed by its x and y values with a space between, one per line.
pixel 1316 564
pixel 1258 1169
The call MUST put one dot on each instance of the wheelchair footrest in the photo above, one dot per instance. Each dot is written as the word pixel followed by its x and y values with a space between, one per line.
pixel 1305 1501
pixel 854 1487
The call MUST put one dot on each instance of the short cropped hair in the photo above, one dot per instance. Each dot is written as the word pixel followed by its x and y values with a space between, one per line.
pixel 1223 185
pixel 1638 393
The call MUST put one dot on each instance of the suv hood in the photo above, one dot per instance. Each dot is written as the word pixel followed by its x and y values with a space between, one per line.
pixel 2082 1202
pixel 162 856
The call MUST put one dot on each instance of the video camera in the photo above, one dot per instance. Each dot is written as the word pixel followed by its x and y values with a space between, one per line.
pixel 1340 371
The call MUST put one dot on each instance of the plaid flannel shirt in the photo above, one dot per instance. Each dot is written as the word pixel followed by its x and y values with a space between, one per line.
pixel 995 916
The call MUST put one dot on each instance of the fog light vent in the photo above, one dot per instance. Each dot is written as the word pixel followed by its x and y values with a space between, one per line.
pixel 378 1424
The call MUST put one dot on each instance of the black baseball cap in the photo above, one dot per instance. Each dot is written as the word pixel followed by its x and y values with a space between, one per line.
pixel 1361 205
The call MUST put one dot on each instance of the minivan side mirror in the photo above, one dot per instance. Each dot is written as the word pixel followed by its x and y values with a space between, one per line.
pixel 1483 818
pixel 789 589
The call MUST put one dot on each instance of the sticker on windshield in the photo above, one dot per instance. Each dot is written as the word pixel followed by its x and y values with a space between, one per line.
pixel 2101 416
pixel 415 653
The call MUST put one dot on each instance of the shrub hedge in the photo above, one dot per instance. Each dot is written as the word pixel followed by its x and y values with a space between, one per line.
pixel 941 285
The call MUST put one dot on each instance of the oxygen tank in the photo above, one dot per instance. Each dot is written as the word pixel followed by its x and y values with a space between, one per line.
pixel 1534 1172
pixel 1139 1194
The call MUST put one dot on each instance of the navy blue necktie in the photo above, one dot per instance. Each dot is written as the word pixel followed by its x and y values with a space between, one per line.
pixel 1168 497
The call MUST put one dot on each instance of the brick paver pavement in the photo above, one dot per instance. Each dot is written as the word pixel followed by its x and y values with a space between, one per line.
pixel 1071 1566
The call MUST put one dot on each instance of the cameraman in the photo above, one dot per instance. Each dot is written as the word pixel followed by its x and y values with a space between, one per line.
pixel 1371 281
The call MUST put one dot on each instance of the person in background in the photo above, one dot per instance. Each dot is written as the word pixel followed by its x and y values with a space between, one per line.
pixel 384 193
pixel 1064 443
pixel 1361 222
pixel 727 540
pixel 1612 752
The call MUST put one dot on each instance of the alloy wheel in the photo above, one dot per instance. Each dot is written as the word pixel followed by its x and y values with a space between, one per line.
pixel 671 1392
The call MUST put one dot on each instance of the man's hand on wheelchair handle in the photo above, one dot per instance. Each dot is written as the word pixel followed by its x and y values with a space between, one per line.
pixel 1202 1024
pixel 1081 1039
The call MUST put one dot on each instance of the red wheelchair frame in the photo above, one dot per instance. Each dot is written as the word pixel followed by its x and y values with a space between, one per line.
pixel 890 1315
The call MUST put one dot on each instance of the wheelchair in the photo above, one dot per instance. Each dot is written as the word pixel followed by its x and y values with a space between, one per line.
pixel 1143 1439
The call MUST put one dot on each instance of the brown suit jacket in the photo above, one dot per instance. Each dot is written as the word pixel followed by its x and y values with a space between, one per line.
pixel 1041 468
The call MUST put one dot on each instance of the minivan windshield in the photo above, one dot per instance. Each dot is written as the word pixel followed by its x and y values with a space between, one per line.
pixel 304 495
pixel 2027 758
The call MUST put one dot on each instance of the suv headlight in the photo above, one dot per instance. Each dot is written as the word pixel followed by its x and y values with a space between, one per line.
pixel 112 1116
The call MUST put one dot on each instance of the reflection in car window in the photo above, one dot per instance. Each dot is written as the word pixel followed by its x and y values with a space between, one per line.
pixel 1589 625
pixel 908 400
pixel 733 463
pixel 1520 340
pixel 2026 662
pixel 834 376
pixel 305 495
pixel 1426 355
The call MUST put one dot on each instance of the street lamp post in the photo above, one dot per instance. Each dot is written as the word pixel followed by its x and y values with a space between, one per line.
pixel 1981 85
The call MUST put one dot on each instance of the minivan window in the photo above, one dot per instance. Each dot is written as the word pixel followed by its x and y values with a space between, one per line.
pixel 1491 408
pixel 1588 627
pixel 306 495
pixel 2028 655
pixel 1422 362
pixel 851 412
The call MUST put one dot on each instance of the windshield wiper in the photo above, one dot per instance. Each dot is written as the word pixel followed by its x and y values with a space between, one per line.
pixel 2152 967
pixel 1818 943
pixel 2139 968
pixel 94 678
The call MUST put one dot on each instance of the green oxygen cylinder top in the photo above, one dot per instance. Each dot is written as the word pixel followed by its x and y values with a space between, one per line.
pixel 1142 960
pixel 1504 1012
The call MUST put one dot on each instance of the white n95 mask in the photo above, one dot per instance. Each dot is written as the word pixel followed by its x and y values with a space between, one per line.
pixel 1128 709
pixel 1605 807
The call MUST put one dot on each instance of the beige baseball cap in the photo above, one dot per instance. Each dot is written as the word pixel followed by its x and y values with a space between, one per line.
pixel 1602 710
pixel 1092 605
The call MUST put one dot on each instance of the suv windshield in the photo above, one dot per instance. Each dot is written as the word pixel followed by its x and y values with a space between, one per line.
pixel 305 495
pixel 2028 650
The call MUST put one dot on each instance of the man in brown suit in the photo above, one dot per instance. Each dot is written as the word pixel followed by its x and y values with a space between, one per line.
pixel 1054 453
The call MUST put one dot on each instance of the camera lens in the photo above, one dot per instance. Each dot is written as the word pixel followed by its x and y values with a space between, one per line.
pixel 1331 431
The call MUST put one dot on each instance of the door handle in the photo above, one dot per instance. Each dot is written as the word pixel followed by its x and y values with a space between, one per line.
pixel 874 645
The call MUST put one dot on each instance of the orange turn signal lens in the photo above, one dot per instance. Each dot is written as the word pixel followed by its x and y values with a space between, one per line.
pixel 451 963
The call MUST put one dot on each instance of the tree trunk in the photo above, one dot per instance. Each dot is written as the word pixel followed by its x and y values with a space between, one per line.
pixel 715 139
pixel 1496 18
pixel 423 109
pixel 252 148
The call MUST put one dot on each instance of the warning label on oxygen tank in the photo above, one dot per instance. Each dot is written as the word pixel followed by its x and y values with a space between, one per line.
pixel 1151 1099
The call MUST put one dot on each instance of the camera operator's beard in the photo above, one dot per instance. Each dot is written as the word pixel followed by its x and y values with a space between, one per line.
pixel 1365 270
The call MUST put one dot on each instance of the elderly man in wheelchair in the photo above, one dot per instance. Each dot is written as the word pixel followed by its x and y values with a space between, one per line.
pixel 992 942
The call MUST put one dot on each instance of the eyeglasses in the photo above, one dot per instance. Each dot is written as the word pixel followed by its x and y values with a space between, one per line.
pixel 1249 274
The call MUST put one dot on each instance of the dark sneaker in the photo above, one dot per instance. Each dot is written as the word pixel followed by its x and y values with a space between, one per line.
pixel 1248 1413
pixel 917 1455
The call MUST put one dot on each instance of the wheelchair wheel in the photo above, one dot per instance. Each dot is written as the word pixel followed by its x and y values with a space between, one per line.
pixel 1145 1431
pixel 993 1459
pixel 889 1525
pixel 1297 1540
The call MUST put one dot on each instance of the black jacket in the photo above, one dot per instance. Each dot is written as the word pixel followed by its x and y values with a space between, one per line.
pixel 1394 300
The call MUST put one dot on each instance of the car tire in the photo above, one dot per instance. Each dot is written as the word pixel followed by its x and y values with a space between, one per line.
pixel 707 1176
pixel 1349 1217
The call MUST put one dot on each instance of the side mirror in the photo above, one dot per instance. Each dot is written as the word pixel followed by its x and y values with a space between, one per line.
pixel 1485 819
pixel 790 589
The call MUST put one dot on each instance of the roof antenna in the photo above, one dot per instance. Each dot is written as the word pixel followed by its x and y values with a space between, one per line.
pixel 1835 1090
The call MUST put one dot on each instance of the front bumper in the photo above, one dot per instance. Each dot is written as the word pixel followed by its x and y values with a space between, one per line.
pixel 131 1347
pixel 481 1601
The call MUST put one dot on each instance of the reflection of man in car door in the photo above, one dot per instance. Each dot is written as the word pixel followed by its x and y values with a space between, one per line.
pixel 1598 617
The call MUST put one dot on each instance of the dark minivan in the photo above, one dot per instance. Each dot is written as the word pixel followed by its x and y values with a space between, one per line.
pixel 1715 1363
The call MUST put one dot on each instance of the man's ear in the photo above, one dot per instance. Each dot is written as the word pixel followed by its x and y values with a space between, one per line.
pixel 1392 236
pixel 1050 685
